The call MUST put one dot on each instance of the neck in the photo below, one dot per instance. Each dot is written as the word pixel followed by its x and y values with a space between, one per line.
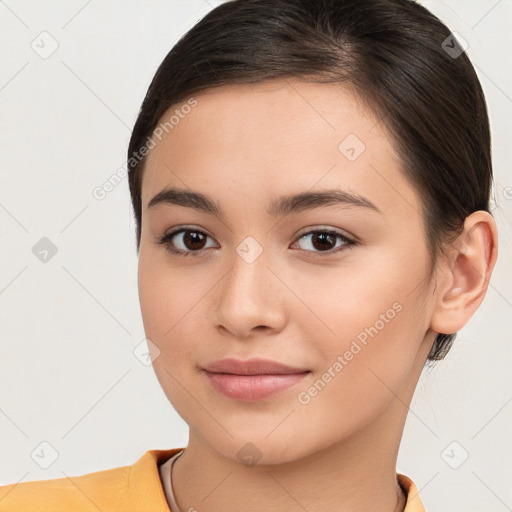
pixel 356 474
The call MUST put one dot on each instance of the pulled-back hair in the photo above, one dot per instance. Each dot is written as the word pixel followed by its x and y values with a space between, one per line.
pixel 399 58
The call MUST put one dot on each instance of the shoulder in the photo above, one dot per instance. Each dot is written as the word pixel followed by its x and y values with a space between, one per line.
pixel 121 489
pixel 58 494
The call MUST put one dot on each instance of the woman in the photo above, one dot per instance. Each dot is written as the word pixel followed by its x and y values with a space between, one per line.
pixel 310 182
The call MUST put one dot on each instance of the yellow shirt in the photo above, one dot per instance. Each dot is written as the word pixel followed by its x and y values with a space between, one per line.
pixel 135 488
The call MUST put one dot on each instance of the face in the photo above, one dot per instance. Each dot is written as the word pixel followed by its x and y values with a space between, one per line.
pixel 331 284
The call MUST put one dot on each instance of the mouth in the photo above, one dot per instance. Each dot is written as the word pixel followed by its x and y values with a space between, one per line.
pixel 252 380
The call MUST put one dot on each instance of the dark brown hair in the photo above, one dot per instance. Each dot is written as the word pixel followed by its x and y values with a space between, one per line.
pixel 400 58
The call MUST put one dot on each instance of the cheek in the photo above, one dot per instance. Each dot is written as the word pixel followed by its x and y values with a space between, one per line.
pixel 366 293
pixel 379 323
pixel 167 296
pixel 172 301
pixel 374 322
pixel 170 306
pixel 360 373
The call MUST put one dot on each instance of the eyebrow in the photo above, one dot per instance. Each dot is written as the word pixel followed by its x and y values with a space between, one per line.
pixel 278 207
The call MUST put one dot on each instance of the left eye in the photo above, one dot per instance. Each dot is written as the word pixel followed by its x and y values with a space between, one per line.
pixel 323 241
pixel 188 238
pixel 192 241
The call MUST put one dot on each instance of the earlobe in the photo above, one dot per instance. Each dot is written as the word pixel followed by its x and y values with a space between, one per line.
pixel 464 279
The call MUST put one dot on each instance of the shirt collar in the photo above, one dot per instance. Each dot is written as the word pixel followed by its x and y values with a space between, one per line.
pixel 144 479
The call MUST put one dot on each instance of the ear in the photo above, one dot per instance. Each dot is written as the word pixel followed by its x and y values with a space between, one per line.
pixel 463 277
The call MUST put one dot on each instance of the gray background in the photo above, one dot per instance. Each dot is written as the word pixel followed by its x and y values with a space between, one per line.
pixel 69 325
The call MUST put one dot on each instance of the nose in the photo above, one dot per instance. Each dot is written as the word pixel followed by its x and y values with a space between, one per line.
pixel 250 299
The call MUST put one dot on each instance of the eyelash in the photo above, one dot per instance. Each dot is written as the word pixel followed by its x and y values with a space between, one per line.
pixel 165 240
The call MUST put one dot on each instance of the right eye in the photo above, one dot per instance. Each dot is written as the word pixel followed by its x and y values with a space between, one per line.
pixel 192 241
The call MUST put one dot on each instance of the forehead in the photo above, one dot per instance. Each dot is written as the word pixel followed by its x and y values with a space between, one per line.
pixel 279 111
pixel 287 134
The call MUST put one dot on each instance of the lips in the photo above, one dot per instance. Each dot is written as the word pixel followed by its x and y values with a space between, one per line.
pixel 253 379
pixel 252 367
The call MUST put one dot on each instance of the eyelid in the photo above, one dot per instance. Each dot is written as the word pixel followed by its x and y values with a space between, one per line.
pixel 325 228
pixel 179 229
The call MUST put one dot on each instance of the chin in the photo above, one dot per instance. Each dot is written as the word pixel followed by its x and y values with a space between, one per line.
pixel 257 448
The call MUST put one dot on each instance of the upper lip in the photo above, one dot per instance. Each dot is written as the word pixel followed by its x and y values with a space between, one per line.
pixel 252 367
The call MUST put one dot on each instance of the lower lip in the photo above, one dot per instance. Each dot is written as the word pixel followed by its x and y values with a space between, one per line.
pixel 252 387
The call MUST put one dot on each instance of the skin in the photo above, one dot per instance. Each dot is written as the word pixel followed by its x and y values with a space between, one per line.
pixel 244 145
